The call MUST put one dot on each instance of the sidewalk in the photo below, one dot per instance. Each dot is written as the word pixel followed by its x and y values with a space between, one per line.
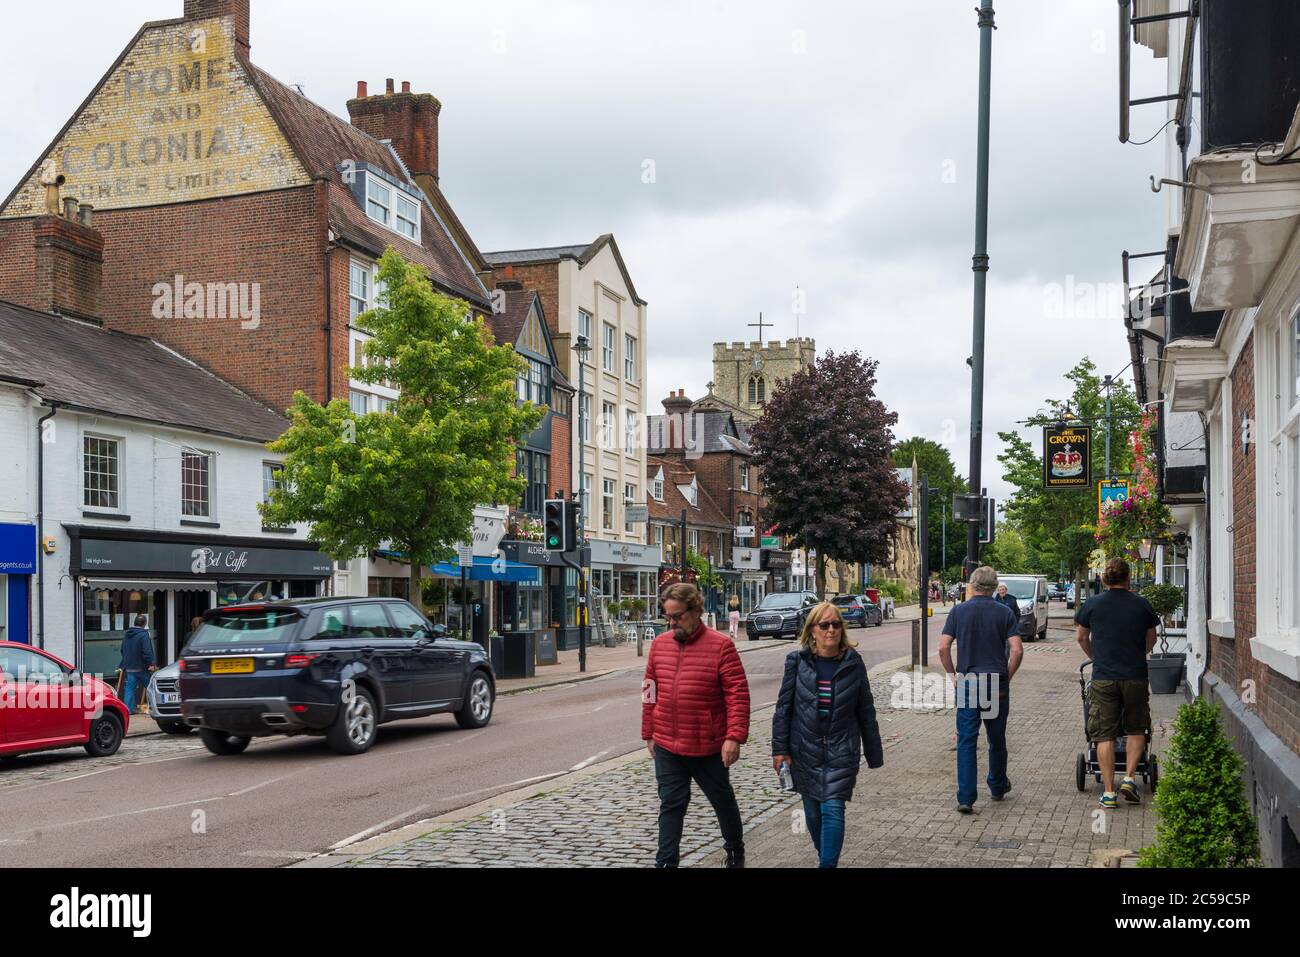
pixel 902 815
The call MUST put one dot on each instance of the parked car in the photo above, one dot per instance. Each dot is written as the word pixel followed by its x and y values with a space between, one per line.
pixel 49 704
pixel 885 602
pixel 1030 592
pixel 164 698
pixel 1069 596
pixel 859 610
pixel 337 667
pixel 779 614
pixel 1056 591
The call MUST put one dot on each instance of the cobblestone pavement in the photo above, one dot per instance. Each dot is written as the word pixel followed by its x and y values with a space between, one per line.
pixel 902 814
pixel 49 766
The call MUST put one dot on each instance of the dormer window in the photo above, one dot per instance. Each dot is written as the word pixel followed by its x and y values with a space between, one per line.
pixel 657 486
pixel 392 208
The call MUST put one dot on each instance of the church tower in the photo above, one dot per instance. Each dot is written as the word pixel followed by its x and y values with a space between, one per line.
pixel 746 374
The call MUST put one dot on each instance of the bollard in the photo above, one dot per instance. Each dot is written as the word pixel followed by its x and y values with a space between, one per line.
pixel 916 643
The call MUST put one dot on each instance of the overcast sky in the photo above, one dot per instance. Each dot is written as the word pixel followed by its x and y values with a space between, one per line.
pixel 828 145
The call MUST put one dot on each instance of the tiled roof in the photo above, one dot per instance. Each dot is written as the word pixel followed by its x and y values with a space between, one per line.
pixel 705 512
pixel 718 433
pixel 324 142
pixel 582 253
pixel 98 370
pixel 509 322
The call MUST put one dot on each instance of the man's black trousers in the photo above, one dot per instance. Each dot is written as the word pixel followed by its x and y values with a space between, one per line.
pixel 675 773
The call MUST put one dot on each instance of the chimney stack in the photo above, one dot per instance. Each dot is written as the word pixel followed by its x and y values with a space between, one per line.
pixel 69 262
pixel 409 120
pixel 206 9
pixel 362 91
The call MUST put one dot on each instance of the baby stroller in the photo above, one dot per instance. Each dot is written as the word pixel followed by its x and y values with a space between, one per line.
pixel 1086 765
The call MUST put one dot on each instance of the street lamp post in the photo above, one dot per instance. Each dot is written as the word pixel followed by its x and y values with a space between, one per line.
pixel 980 266
pixel 582 347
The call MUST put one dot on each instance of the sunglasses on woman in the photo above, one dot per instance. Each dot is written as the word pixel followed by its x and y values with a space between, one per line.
pixel 828 625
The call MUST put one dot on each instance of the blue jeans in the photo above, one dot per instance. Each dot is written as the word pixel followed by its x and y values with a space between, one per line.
pixel 826 825
pixel 968 732
pixel 133 687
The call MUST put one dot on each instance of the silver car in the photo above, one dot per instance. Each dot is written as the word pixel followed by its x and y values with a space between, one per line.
pixel 165 700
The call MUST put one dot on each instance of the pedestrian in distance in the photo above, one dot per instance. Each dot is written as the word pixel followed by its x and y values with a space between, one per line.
pixel 733 617
pixel 824 724
pixel 989 651
pixel 137 661
pixel 1117 630
pixel 1009 600
pixel 694 718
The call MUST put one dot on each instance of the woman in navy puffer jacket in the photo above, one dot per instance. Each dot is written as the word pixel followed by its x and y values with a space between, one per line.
pixel 825 719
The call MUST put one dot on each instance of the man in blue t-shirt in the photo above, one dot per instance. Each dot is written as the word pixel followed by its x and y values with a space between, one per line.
pixel 988 654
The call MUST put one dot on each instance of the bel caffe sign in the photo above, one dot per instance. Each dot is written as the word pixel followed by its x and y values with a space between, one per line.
pixel 1067 456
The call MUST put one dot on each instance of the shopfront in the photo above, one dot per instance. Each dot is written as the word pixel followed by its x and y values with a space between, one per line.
pixel 753 580
pixel 549 603
pixel 626 573
pixel 172 578
pixel 777 564
pixel 17 566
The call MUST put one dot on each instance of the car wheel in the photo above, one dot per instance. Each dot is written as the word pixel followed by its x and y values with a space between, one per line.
pixel 218 742
pixel 477 710
pixel 105 736
pixel 356 725
pixel 174 727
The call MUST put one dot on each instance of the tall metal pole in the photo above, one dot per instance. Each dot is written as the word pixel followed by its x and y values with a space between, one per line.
pixel 924 522
pixel 1106 383
pixel 980 266
pixel 943 561
pixel 581 346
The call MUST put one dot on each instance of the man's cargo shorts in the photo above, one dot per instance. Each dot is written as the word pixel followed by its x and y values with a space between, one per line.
pixel 1118 708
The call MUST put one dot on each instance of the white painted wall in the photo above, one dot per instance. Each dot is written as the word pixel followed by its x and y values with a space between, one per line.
pixel 150 479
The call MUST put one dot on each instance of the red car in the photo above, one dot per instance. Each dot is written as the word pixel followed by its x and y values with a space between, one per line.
pixel 45 704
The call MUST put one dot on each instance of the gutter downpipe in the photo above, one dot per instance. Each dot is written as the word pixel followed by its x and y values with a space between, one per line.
pixel 40 521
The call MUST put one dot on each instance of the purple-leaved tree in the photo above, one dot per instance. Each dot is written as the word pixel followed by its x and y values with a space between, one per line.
pixel 823 444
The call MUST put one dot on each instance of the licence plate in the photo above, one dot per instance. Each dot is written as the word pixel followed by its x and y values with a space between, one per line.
pixel 232 666
pixel 172 698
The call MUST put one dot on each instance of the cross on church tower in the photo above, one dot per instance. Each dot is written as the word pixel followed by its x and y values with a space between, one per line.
pixel 761 326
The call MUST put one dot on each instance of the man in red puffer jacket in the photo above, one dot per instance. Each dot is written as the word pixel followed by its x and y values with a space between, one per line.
pixel 694 718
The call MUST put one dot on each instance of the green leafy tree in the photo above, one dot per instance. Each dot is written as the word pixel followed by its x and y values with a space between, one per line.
pixel 1008 552
pixel 1055 524
pixel 1202 816
pixel 409 478
pixel 935 463
pixel 823 444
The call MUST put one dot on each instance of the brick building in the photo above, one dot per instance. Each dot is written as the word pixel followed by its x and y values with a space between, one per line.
pixel 674 489
pixel 240 222
pixel 1215 340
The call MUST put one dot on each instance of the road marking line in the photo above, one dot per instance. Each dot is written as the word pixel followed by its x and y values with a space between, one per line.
pixel 75 777
pixel 236 794
pixel 362 835
pixel 109 817
pixel 295 855
pixel 591 760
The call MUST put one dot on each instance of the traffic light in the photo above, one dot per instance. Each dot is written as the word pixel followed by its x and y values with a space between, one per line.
pixel 556 525
pixel 571 524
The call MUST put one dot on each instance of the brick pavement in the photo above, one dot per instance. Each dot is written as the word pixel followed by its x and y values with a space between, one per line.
pixel 902 814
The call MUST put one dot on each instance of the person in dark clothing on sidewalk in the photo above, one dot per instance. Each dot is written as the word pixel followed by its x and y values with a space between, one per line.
pixel 694 718
pixel 824 723
pixel 137 661
pixel 1117 630
pixel 1006 598
pixel 988 653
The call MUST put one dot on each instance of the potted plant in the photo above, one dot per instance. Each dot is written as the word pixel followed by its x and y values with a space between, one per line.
pixel 1165 669
pixel 1123 525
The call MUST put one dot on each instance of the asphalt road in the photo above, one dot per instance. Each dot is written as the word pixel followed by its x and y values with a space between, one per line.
pixel 165 801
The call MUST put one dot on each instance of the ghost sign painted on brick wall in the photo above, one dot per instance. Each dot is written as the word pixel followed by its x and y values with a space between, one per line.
pixel 177 119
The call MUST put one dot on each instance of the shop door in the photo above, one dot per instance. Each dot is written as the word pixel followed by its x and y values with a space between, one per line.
pixel 189 605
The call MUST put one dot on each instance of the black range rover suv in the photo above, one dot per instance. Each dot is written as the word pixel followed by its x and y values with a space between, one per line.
pixel 337 667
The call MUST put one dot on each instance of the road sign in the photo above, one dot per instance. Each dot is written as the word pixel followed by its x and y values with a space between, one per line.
pixel 1111 490
pixel 744 531
pixel 770 541
pixel 464 556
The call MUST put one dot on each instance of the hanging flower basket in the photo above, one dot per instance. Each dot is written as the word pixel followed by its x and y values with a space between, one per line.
pixel 1124 525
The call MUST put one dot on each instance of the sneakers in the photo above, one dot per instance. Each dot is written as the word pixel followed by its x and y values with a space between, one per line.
pixel 1128 787
pixel 1107 800
pixel 965 809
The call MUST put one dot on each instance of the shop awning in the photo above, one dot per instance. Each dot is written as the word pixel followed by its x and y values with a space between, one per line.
pixel 491 570
pixel 151 584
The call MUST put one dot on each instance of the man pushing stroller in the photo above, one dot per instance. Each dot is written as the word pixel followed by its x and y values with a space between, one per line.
pixel 1117 630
